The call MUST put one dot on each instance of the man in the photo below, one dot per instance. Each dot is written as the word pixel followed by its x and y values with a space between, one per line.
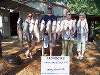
pixel 82 35
pixel 68 29
pixel 28 31
pixel 48 28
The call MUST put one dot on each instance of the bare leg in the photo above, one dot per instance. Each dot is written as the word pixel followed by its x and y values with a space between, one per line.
pixel 70 52
pixel 42 51
pixel 79 49
pixel 29 42
pixel 54 41
pixel 51 50
pixel 64 48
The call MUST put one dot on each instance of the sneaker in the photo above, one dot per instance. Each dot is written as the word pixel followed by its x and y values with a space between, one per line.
pixel 30 55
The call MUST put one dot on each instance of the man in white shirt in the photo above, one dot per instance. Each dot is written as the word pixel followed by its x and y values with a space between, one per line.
pixel 28 30
pixel 82 35
pixel 68 29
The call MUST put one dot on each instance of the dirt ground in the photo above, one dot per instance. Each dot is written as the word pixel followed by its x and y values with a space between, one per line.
pixel 89 66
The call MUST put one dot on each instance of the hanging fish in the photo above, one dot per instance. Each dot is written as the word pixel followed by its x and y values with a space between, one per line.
pixel 42 25
pixel 36 29
pixel 48 26
pixel 58 26
pixel 54 25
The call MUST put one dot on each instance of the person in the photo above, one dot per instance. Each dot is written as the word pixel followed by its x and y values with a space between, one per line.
pixel 91 35
pixel 28 32
pixel 48 29
pixel 1 38
pixel 20 31
pixel 82 35
pixel 68 30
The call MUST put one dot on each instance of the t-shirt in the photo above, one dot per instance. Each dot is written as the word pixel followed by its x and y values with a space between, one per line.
pixel 29 25
pixel 82 27
pixel 46 18
pixel 67 26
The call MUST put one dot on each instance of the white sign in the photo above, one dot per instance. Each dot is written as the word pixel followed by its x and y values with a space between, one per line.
pixel 55 65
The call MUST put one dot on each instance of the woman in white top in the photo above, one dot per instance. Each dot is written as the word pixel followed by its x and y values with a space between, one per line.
pixel 82 35
pixel 68 30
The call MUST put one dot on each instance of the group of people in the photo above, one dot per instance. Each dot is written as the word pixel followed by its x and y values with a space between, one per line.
pixel 28 30
pixel 50 28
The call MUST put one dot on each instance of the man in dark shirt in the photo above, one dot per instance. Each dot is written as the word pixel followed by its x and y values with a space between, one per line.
pixel 47 22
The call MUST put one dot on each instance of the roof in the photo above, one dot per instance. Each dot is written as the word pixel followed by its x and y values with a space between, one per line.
pixel 9 4
pixel 41 1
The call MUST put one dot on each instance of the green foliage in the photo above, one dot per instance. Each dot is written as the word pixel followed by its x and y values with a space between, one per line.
pixel 86 6
pixel 91 7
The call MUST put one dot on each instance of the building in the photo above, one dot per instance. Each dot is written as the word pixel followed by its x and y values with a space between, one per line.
pixel 9 13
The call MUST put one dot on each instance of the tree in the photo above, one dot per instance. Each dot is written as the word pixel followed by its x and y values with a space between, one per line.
pixel 90 7
pixel 86 6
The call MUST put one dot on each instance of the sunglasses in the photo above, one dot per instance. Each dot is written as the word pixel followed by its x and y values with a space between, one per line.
pixel 68 14
pixel 29 16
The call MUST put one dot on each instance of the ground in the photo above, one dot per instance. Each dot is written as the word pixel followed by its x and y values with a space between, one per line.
pixel 89 66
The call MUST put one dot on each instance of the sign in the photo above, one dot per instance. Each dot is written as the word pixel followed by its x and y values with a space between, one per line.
pixel 55 65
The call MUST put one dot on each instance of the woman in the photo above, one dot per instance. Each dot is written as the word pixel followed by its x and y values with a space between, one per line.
pixel 68 30
pixel 82 35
